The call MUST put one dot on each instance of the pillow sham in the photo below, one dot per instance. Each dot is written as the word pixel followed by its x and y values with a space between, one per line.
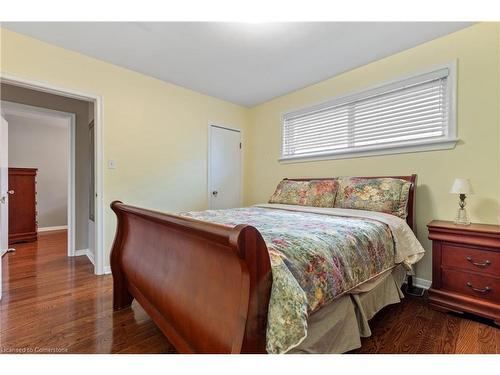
pixel 389 195
pixel 316 193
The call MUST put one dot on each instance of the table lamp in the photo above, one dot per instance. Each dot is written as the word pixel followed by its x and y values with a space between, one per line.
pixel 462 187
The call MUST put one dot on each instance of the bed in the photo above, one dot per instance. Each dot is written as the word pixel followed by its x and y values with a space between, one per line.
pixel 214 283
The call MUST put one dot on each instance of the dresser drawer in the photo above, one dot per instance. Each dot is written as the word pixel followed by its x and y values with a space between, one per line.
pixel 481 261
pixel 468 283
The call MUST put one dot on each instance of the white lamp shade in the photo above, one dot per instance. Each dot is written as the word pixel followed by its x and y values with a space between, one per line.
pixel 461 186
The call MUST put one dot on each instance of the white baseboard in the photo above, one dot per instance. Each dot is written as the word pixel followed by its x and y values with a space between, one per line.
pixel 79 253
pixel 107 270
pixel 85 252
pixel 422 283
pixel 48 229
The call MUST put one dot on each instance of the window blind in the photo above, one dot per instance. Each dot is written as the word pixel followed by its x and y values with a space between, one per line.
pixel 409 111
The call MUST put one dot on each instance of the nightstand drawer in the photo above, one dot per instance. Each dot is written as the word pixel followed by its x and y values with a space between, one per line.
pixel 468 283
pixel 482 261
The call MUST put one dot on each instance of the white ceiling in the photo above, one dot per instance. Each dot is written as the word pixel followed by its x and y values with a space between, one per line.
pixel 244 63
pixel 19 113
pixel 41 119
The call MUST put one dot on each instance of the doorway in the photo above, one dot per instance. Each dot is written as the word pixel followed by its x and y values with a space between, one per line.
pixel 41 143
pixel 224 167
pixel 94 130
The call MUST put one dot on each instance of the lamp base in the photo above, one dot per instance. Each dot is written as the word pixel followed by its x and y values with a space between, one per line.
pixel 462 218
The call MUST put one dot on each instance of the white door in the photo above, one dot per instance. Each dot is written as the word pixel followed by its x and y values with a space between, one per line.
pixel 4 200
pixel 224 168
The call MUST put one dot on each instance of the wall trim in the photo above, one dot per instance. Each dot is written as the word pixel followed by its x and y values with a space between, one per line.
pixel 85 252
pixel 411 147
pixel 107 270
pixel 48 229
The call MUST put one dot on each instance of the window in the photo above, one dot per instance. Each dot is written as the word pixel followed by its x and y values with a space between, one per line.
pixel 413 114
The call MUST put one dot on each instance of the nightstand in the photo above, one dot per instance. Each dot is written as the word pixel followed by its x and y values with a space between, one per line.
pixel 465 268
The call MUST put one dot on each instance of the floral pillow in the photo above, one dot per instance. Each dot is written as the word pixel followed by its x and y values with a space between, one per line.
pixel 322 193
pixel 317 193
pixel 389 195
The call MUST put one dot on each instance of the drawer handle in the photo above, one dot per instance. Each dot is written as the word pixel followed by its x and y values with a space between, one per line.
pixel 480 290
pixel 485 264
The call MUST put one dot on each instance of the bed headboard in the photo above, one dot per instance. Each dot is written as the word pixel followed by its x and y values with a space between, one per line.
pixel 410 219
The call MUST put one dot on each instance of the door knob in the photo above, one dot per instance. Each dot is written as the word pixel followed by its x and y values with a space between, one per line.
pixel 11 192
pixel 214 193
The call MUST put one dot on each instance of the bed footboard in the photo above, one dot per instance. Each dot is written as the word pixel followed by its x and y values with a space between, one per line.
pixel 206 286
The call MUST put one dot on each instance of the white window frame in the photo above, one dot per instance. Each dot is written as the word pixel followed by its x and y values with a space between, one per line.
pixel 445 143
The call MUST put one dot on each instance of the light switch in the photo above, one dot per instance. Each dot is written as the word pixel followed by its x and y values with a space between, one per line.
pixel 111 164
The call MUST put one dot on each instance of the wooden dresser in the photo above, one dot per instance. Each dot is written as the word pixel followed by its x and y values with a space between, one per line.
pixel 465 268
pixel 22 205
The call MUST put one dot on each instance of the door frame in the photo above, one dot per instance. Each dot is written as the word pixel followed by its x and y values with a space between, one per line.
pixel 15 80
pixel 4 251
pixel 18 108
pixel 211 125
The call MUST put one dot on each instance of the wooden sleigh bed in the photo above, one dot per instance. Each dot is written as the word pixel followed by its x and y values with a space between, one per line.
pixel 206 286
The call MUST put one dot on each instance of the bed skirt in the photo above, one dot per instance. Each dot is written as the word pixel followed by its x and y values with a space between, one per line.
pixel 339 326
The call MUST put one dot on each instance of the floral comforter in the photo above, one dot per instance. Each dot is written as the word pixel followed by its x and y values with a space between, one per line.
pixel 314 258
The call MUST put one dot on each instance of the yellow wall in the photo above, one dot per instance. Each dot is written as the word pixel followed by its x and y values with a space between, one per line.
pixel 156 131
pixel 477 155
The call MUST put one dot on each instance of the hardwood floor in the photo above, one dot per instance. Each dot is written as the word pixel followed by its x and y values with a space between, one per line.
pixel 53 303
pixel 411 327
pixel 56 303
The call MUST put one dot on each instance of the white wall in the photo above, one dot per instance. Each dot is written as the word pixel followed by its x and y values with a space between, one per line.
pixel 43 143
